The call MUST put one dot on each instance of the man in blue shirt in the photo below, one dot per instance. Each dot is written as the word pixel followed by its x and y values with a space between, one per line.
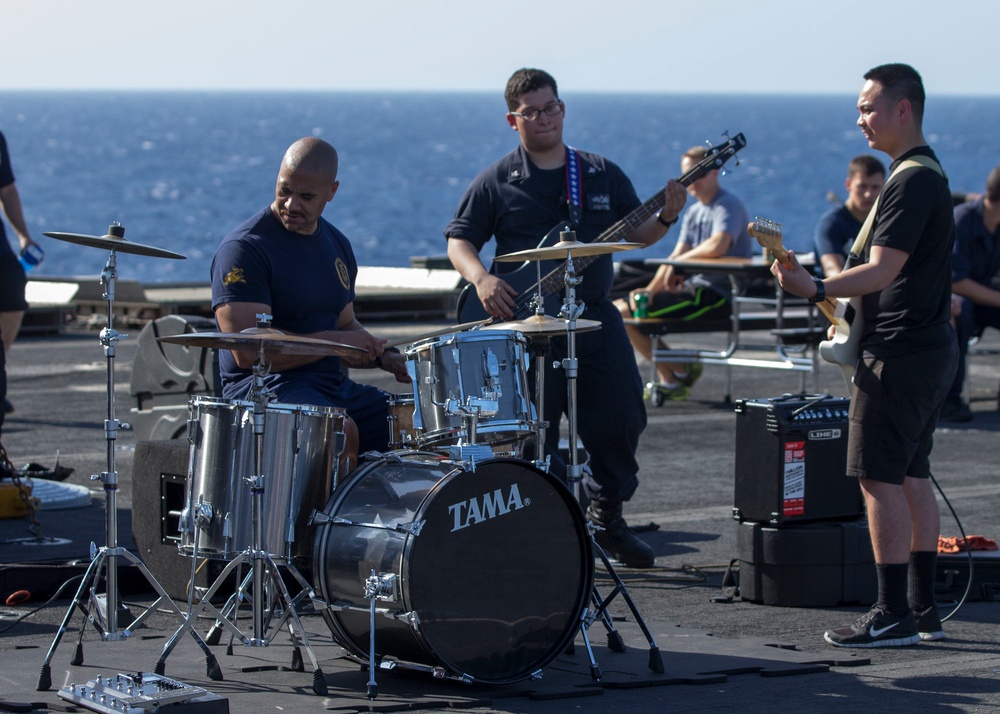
pixel 975 264
pixel 839 226
pixel 291 263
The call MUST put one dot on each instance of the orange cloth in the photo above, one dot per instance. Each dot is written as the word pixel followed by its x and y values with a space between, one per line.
pixel 954 544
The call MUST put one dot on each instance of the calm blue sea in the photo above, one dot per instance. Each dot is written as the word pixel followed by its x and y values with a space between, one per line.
pixel 179 170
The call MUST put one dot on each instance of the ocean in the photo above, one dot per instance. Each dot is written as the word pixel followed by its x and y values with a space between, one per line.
pixel 179 169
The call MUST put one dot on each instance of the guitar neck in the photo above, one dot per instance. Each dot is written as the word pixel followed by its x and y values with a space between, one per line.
pixel 555 280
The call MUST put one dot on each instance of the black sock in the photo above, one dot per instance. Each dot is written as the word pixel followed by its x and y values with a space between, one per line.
pixel 892 586
pixel 923 566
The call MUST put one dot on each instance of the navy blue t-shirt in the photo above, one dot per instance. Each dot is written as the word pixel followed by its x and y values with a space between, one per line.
pixel 835 233
pixel 977 251
pixel 518 204
pixel 307 281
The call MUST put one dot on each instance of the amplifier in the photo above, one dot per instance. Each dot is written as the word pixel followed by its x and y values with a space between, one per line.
pixel 791 460
pixel 807 564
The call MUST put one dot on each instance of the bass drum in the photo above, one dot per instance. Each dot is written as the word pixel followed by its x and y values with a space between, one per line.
pixel 493 566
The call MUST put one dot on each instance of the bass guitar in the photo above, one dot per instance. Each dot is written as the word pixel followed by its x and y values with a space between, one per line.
pixel 843 348
pixel 524 278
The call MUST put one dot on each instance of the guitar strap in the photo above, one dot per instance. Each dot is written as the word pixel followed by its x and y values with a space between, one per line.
pixel 864 235
pixel 574 187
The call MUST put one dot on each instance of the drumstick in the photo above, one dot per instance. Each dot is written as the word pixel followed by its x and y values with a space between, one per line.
pixel 436 333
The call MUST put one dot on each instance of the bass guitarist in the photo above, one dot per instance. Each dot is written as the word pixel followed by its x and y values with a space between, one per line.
pixel 907 362
pixel 537 189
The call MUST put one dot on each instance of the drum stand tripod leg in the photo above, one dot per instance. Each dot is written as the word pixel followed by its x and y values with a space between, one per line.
pixel 595 669
pixel 615 642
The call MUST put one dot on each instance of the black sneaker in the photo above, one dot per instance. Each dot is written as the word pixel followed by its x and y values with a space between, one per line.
pixel 929 624
pixel 876 628
pixel 955 410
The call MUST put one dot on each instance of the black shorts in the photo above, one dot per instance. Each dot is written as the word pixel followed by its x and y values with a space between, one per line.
pixel 894 410
pixel 12 282
pixel 691 303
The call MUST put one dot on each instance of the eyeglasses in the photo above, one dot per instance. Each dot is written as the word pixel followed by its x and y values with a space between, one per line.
pixel 549 110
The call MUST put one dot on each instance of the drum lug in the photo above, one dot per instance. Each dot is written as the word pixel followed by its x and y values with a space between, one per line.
pixel 317 518
pixel 184 523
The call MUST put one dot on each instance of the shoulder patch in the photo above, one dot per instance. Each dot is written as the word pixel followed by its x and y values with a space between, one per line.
pixel 234 277
pixel 343 274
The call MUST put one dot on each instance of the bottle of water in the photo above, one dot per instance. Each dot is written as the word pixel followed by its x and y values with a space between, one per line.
pixel 31 256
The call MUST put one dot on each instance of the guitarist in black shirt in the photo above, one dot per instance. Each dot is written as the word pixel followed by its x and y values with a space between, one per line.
pixel 539 188
pixel 908 358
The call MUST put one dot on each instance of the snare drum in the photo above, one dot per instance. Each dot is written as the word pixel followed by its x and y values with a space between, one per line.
pixel 492 569
pixel 298 457
pixel 487 368
pixel 402 434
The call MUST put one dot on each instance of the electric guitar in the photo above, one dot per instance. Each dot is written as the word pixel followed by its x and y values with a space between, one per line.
pixel 843 348
pixel 524 278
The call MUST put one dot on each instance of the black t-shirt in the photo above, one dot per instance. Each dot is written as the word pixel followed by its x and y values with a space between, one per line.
pixel 914 215
pixel 6 179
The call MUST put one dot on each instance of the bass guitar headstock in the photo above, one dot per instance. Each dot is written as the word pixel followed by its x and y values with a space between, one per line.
pixel 768 235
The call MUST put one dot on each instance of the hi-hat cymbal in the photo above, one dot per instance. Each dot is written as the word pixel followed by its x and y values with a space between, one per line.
pixel 564 249
pixel 119 244
pixel 273 341
pixel 544 325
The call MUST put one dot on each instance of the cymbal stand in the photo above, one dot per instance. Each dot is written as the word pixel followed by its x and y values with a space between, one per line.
pixel 262 565
pixel 104 616
pixel 570 311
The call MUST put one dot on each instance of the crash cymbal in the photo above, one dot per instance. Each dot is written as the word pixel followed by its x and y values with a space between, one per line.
pixel 274 342
pixel 543 325
pixel 437 333
pixel 565 248
pixel 116 243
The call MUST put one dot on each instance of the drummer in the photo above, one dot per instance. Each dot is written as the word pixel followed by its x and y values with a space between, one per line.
pixel 289 262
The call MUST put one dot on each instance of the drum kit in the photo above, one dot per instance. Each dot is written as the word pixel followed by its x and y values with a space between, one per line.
pixel 404 553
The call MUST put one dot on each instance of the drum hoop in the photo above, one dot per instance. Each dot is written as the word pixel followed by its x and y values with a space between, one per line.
pixel 470 336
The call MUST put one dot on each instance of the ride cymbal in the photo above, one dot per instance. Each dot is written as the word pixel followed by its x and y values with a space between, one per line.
pixel 271 340
pixel 564 249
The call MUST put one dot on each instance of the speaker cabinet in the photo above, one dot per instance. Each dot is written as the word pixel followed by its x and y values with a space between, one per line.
pixel 158 482
pixel 791 461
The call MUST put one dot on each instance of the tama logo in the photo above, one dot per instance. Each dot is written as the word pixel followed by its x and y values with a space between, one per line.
pixel 824 434
pixel 486 507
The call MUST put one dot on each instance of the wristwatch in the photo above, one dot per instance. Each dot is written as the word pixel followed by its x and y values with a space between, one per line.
pixel 820 295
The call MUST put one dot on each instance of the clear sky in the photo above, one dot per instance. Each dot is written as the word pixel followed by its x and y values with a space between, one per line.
pixel 714 46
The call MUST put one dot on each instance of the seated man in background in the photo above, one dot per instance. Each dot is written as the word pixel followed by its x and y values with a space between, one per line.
pixel 715 226
pixel 839 226
pixel 974 267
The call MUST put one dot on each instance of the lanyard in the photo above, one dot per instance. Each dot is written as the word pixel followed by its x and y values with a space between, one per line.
pixel 574 189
